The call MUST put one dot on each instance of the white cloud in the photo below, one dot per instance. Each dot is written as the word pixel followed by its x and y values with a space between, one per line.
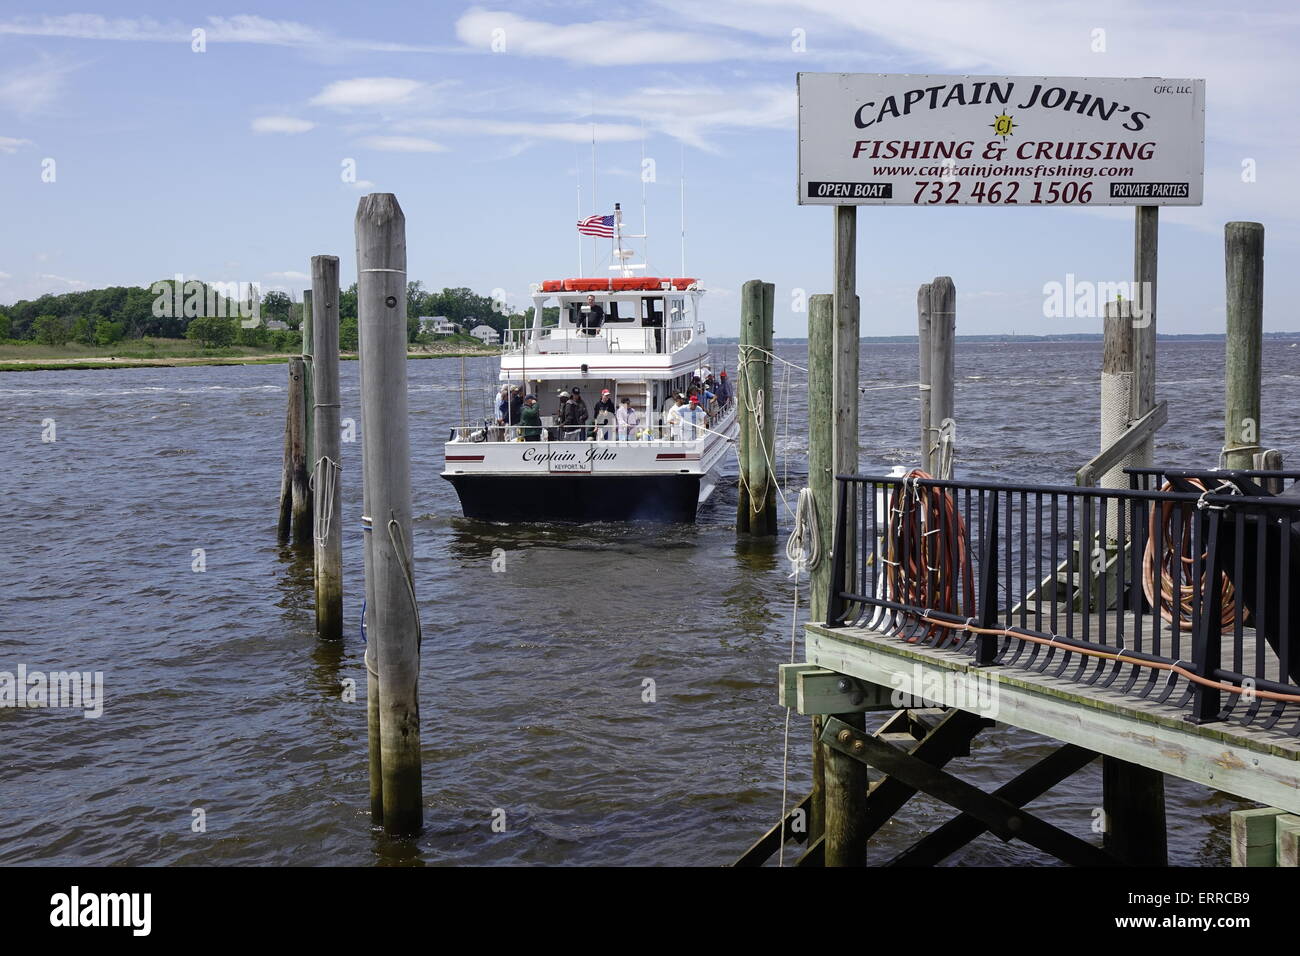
pixel 403 144
pixel 71 283
pixel 564 131
pixel 10 145
pixel 291 275
pixel 281 124
pixel 367 91
pixel 32 88
pixel 596 43
pixel 244 28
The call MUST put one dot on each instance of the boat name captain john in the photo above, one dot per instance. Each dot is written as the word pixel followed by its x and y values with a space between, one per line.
pixel 589 455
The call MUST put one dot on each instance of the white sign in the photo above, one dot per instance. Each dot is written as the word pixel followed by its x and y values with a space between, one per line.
pixel 903 139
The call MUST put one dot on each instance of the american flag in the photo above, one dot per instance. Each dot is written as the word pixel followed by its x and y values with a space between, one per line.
pixel 597 226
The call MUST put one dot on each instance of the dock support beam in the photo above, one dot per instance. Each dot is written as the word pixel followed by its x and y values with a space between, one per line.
pixel 327 470
pixel 1244 253
pixel 756 505
pixel 394 628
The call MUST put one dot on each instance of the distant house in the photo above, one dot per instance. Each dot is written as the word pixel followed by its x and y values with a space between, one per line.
pixel 437 325
pixel 486 334
pixel 275 325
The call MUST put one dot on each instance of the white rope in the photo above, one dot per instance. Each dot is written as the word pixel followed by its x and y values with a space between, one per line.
pixel 803 548
pixel 398 541
pixel 327 470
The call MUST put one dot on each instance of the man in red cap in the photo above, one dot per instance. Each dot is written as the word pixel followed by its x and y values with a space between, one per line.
pixel 723 391
pixel 693 418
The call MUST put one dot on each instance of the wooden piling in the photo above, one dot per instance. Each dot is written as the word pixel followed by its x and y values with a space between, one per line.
pixel 1244 254
pixel 821 482
pixel 285 521
pixel 923 365
pixel 756 503
pixel 844 780
pixel 943 336
pixel 1117 383
pixel 821 440
pixel 1133 804
pixel 395 630
pixel 301 534
pixel 846 786
pixel 1146 233
pixel 309 380
pixel 328 556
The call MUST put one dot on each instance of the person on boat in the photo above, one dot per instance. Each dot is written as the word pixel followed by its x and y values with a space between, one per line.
pixel 531 419
pixel 574 418
pixel 606 404
pixel 502 413
pixel 605 422
pixel 692 420
pixel 516 406
pixel 627 419
pixel 723 390
pixel 673 419
pixel 592 316
pixel 558 431
pixel 576 396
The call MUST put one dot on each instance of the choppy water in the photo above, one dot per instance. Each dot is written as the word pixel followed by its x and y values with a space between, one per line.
pixel 219 697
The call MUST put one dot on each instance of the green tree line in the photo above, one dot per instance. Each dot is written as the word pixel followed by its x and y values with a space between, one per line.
pixel 107 316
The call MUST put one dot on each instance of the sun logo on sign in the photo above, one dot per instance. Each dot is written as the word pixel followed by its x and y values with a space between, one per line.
pixel 1003 125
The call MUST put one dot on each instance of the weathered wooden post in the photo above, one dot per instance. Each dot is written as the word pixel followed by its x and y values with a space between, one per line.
pixel 1133 796
pixel 1117 383
pixel 923 350
pixel 821 482
pixel 1244 252
pixel 285 522
pixel 301 493
pixel 394 626
pixel 1146 234
pixel 845 779
pixel 328 562
pixel 943 336
pixel 309 379
pixel 756 504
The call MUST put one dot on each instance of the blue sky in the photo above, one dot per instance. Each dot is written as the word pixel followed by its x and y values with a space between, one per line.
pixel 227 164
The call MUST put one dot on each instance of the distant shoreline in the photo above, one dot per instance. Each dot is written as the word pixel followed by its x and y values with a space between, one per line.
pixel 94 363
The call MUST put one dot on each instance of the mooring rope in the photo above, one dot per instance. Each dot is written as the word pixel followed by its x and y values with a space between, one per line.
pixel 1191 565
pixel 327 469
pixel 398 540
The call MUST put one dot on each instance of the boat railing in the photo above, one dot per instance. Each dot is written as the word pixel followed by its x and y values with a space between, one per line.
pixel 1179 597
pixel 607 340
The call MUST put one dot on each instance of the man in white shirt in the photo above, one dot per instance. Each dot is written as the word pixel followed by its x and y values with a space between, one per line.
pixel 628 419
pixel 673 420
pixel 692 420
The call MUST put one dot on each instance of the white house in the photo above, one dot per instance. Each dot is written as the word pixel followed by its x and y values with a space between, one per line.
pixel 485 334
pixel 437 324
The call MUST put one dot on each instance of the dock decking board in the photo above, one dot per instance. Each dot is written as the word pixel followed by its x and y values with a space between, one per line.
pixel 1249 761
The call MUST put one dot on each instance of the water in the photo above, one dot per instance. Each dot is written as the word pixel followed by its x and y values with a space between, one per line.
pixel 220 699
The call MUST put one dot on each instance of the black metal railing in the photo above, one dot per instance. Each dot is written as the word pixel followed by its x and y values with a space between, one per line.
pixel 1151 479
pixel 1103 587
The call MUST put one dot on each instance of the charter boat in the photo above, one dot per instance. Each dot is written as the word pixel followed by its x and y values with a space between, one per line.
pixel 637 337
